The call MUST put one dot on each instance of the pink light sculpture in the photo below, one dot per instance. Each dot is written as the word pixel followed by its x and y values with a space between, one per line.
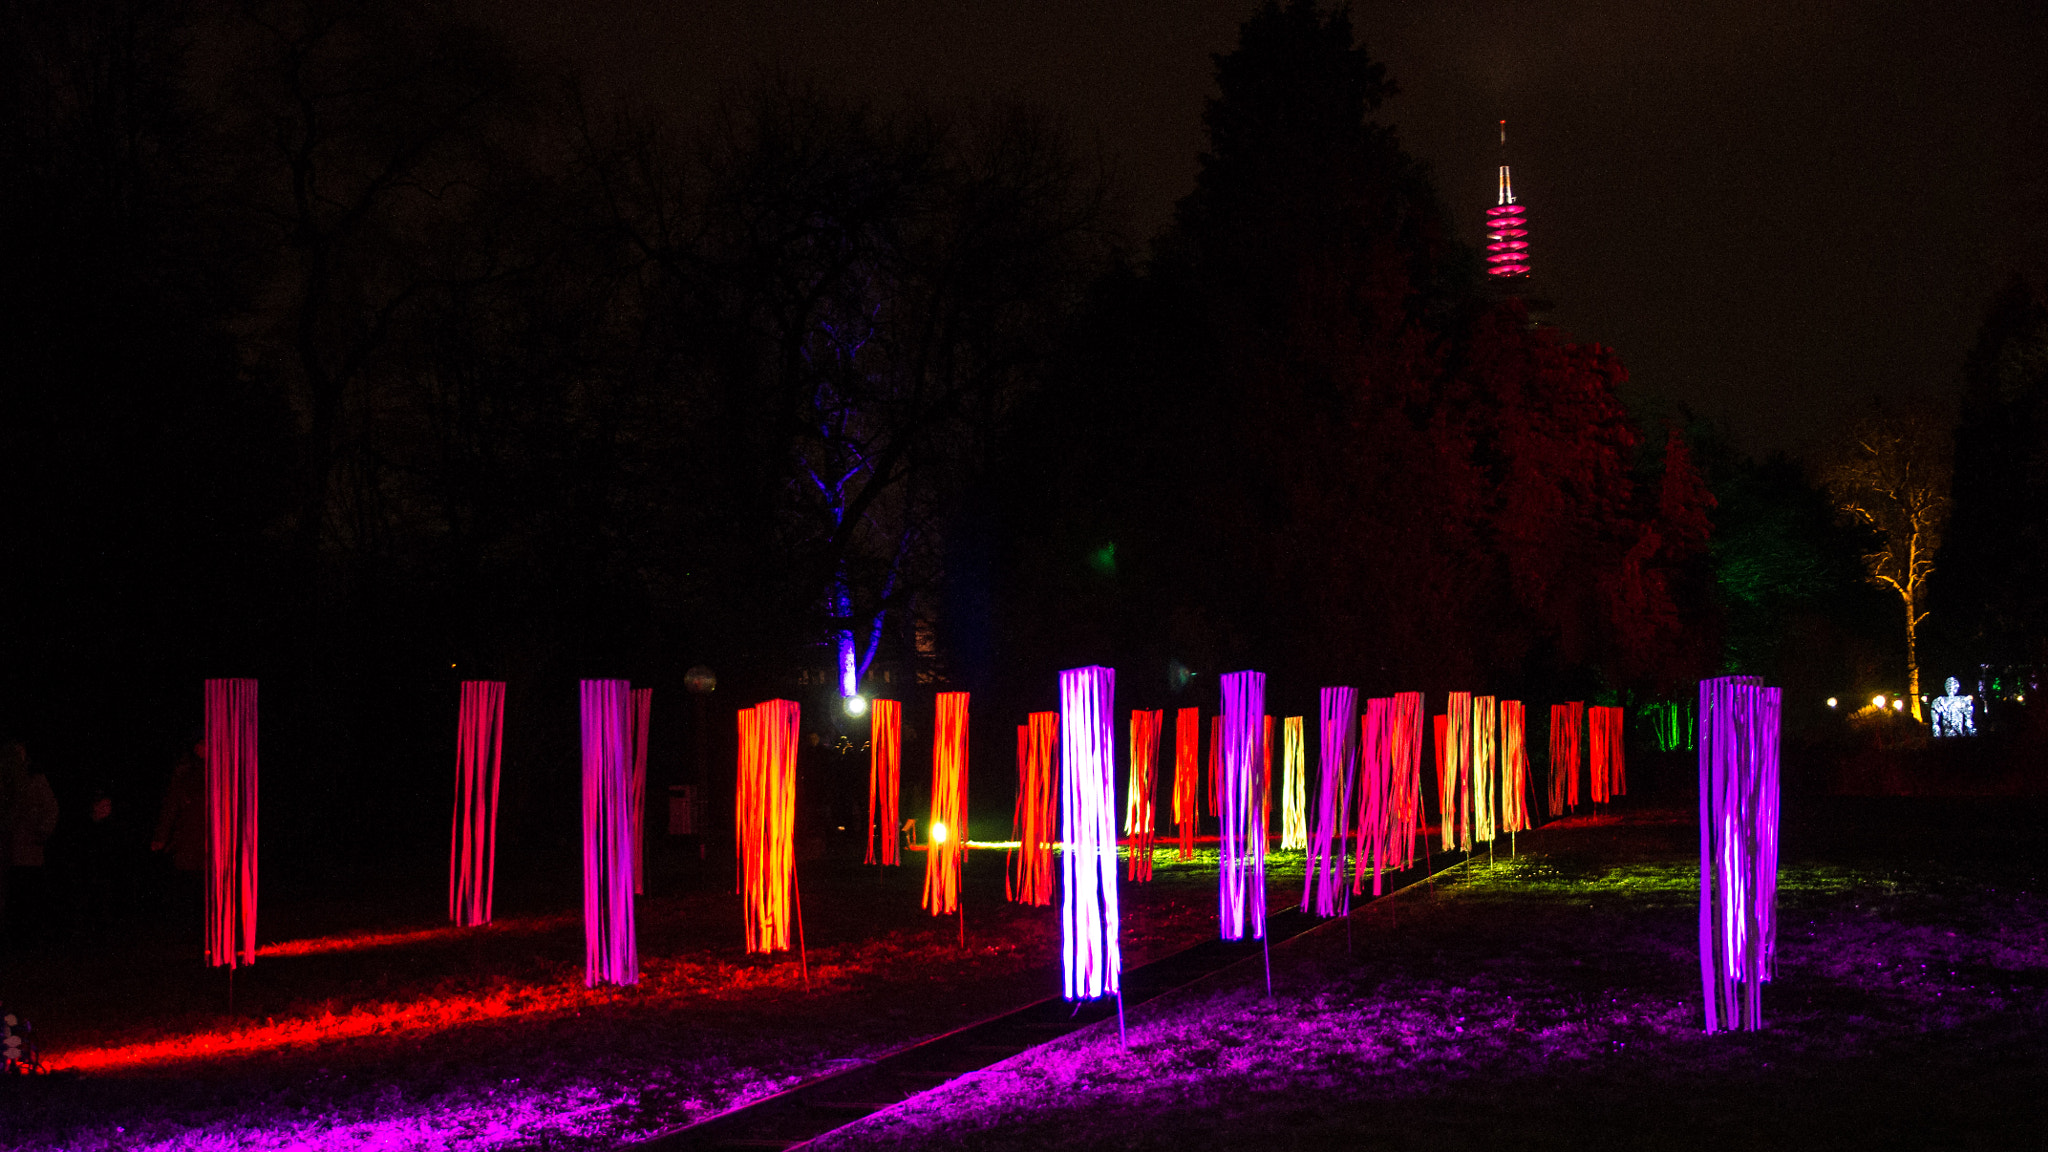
pixel 1140 822
pixel 885 766
pixel 765 815
pixel 1091 958
pixel 609 953
pixel 639 711
pixel 1514 767
pixel 1323 884
pixel 1187 772
pixel 473 841
pixel 1241 892
pixel 944 858
pixel 1738 738
pixel 1389 788
pixel 1609 776
pixel 231 811
pixel 1027 877
pixel 1566 721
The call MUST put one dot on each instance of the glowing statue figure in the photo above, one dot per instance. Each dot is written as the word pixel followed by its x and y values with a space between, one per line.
pixel 1955 715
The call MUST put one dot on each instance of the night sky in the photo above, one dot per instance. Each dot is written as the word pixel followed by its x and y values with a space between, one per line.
pixel 1772 211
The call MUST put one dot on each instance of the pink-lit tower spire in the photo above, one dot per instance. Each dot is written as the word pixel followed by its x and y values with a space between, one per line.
pixel 1507 226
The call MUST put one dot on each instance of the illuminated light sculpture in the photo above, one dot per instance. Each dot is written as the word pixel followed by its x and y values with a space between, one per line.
pixel 1954 714
pixel 1389 788
pixel 1454 772
pixel 1323 880
pixel 885 789
pixel 1091 960
pixel 473 841
pixel 1215 764
pixel 1566 720
pixel 1187 771
pixel 1293 786
pixel 1507 226
pixel 639 712
pixel 944 858
pixel 1241 889
pixel 1140 822
pixel 609 952
pixel 231 811
pixel 1609 777
pixel 1671 722
pixel 1485 773
pixel 1265 814
pixel 1514 768
pixel 766 819
pixel 1738 745
pixel 1027 877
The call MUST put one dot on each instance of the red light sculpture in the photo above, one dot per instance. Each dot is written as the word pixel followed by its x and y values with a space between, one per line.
pixel 1610 778
pixel 1187 760
pixel 1514 767
pixel 885 765
pixel 230 822
pixel 1028 877
pixel 948 850
pixel 1389 787
pixel 473 843
pixel 1139 821
pixel 1566 721
pixel 766 818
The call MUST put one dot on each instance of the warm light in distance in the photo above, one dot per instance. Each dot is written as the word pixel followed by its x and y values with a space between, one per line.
pixel 938 832
pixel 1897 705
pixel 1831 701
pixel 856 705
pixel 1877 700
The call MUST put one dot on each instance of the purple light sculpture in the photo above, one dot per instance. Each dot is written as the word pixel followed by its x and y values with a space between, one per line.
pixel 230 822
pixel 1738 847
pixel 1091 961
pixel 1241 891
pixel 609 953
pixel 638 713
pixel 1324 880
pixel 473 843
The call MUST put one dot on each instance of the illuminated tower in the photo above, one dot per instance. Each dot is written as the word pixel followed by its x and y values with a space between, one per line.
pixel 1507 226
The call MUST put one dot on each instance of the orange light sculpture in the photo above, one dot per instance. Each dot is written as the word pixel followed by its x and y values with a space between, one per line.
pixel 1187 739
pixel 1485 769
pixel 1139 821
pixel 1455 783
pixel 1566 720
pixel 943 860
pixel 1514 768
pixel 1604 729
pixel 766 817
pixel 885 765
pixel 1027 875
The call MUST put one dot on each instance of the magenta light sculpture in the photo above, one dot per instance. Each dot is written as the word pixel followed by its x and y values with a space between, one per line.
pixel 1091 961
pixel 1241 893
pixel 473 842
pixel 1405 749
pixel 1389 788
pixel 1323 884
pixel 609 952
pixel 1738 738
pixel 639 710
pixel 230 822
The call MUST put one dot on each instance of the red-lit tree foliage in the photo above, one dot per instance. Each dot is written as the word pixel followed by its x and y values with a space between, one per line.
pixel 1187 774
pixel 1140 821
pixel 1027 877
pixel 885 766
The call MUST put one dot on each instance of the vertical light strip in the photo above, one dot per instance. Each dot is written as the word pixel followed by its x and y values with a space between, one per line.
pixel 885 767
pixel 1027 877
pixel 1739 807
pixel 766 817
pixel 1241 890
pixel 1187 774
pixel 1091 961
pixel 473 841
pixel 610 955
pixel 944 858
pixel 1140 822
pixel 1293 786
pixel 1485 768
pixel 1323 881
pixel 231 811
pixel 638 715
pixel 1514 767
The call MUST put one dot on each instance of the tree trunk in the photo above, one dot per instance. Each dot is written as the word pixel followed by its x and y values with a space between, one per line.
pixel 1913 662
